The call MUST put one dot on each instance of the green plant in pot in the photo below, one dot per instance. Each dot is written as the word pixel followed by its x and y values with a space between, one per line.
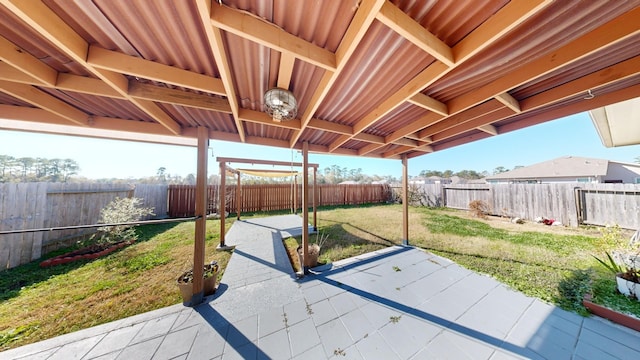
pixel 623 260
pixel 185 282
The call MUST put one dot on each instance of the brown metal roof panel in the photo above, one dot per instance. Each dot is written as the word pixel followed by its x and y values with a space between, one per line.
pixel 372 75
pixel 304 83
pixel 6 99
pixel 558 24
pixel 265 131
pixel 402 115
pixel 100 106
pixel 167 32
pixel 193 117
pixel 450 20
pixel 318 137
pixel 24 37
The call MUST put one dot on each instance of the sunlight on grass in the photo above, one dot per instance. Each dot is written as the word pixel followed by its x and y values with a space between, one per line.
pixel 40 303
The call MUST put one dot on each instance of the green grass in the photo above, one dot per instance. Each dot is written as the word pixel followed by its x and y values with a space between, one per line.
pixel 40 303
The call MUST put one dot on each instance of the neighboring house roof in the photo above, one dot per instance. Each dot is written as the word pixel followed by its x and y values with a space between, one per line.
pixel 568 166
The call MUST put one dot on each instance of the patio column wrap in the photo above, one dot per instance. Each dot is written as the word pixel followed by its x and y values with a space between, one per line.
pixel 405 200
pixel 201 214
pixel 315 201
pixel 305 206
pixel 238 197
pixel 222 196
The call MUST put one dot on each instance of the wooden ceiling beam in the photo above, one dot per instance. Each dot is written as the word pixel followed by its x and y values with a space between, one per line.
pixel 364 17
pixel 479 123
pixel 27 63
pixel 135 66
pixel 489 129
pixel 598 79
pixel 86 85
pixel 606 35
pixel 369 138
pixel 398 21
pixel 43 20
pixel 542 117
pixel 150 92
pixel 216 45
pixel 507 18
pixel 10 73
pixel 285 70
pixel 478 111
pixel 259 117
pixel 329 126
pixel 39 98
pixel 429 103
pixel 253 28
pixel 509 101
pixel 30 114
pixel 411 128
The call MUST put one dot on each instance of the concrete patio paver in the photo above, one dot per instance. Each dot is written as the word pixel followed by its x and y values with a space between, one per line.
pixel 396 303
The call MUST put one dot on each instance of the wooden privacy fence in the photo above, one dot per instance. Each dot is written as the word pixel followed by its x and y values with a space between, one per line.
pixel 569 203
pixel 47 205
pixel 268 197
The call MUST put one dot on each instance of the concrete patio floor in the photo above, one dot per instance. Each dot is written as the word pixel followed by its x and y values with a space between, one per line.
pixel 397 303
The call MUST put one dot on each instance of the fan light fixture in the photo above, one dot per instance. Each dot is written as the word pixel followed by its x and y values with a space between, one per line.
pixel 280 104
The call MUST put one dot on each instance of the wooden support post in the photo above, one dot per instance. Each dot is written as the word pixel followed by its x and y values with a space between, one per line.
pixel 315 201
pixel 238 197
pixel 305 207
pixel 405 201
pixel 201 214
pixel 295 194
pixel 221 207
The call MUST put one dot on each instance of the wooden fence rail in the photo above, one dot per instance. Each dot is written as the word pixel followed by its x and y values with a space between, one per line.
pixel 46 205
pixel 269 197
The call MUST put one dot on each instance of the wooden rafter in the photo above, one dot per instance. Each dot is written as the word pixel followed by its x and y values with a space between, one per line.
pixel 27 63
pixel 403 24
pixel 256 29
pixel 216 46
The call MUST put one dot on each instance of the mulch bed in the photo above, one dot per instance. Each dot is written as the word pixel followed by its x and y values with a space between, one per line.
pixel 87 253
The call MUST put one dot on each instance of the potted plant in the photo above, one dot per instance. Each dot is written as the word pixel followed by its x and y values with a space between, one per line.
pixel 313 250
pixel 185 282
pixel 627 277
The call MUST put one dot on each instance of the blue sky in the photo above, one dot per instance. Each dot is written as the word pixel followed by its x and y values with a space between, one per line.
pixel 574 135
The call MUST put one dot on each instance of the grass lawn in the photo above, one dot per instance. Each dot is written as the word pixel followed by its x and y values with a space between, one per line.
pixel 40 303
pixel 548 262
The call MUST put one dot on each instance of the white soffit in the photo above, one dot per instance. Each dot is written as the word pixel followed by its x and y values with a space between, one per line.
pixel 618 124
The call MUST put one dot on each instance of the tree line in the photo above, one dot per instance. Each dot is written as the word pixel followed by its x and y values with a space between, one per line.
pixel 28 169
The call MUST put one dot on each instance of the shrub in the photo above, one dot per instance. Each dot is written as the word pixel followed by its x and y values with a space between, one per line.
pixel 120 210
pixel 479 208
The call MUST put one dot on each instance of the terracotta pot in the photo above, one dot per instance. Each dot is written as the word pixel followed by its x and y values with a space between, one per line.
pixel 313 252
pixel 209 284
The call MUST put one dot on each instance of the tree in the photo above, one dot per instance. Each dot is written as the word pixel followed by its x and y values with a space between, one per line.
pixel 499 170
pixel 69 167
pixel 161 173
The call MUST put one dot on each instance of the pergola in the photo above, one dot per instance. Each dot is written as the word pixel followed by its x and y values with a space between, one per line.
pixel 376 78
pixel 224 168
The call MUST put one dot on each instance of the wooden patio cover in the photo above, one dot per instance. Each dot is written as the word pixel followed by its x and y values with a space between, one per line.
pixel 385 79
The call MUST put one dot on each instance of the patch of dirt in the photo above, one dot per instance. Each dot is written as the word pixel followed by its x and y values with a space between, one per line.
pixel 506 224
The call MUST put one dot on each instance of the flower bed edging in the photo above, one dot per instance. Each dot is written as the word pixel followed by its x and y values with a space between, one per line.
pixel 614 316
pixel 84 254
